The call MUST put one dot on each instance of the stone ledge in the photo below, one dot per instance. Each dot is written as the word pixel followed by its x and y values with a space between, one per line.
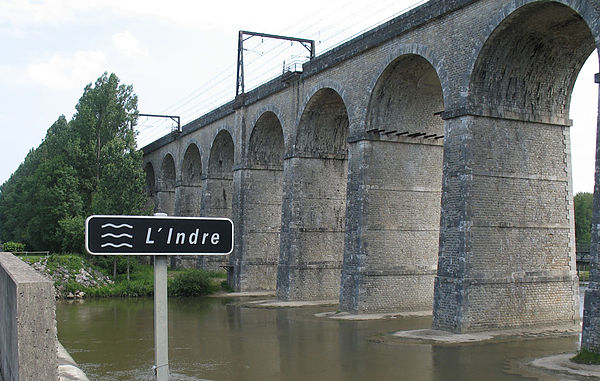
pixel 374 316
pixel 242 294
pixel 274 303
pixel 434 336
pixel 562 364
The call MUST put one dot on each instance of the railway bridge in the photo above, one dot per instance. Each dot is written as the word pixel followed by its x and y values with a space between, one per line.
pixel 424 163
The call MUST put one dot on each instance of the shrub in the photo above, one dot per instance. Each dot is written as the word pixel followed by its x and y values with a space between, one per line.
pixel 133 288
pixel 13 247
pixel 191 282
pixel 226 287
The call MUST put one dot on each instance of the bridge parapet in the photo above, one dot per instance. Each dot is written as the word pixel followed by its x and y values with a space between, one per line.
pixel 27 323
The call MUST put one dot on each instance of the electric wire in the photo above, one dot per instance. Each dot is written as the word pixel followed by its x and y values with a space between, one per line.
pixel 214 92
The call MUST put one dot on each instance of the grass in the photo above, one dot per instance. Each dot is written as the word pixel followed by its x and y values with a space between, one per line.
pixel 587 357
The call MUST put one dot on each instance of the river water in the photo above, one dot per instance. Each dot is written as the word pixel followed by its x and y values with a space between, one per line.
pixel 222 339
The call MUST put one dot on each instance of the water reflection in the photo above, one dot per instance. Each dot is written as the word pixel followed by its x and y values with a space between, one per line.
pixel 219 339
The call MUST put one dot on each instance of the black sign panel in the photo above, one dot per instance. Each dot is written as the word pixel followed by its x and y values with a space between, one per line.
pixel 158 235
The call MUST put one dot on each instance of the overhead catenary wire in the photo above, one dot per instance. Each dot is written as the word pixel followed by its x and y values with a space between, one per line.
pixel 260 68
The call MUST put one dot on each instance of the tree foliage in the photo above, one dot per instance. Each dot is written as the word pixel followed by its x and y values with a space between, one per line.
pixel 583 203
pixel 88 165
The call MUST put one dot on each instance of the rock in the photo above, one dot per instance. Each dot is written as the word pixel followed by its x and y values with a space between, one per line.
pixel 70 295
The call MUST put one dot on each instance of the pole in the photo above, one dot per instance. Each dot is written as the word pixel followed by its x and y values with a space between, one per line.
pixel 161 326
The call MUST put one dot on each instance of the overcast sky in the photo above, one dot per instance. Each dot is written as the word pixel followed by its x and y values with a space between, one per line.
pixel 180 57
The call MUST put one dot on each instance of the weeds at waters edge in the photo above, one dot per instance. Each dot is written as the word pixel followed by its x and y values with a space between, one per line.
pixel 188 282
pixel 63 269
pixel 586 357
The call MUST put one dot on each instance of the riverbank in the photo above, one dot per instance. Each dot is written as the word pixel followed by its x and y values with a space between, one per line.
pixel 74 277
pixel 562 364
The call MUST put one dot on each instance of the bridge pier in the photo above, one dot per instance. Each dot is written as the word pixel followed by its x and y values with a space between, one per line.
pixel 258 217
pixel 392 231
pixel 165 192
pixel 312 232
pixel 166 201
pixel 507 252
pixel 216 202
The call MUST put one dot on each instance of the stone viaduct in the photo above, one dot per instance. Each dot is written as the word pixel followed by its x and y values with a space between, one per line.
pixel 424 163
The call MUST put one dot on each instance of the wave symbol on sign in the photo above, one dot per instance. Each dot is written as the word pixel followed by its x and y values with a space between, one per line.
pixel 116 236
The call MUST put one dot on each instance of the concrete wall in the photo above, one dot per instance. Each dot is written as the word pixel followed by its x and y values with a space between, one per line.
pixel 27 323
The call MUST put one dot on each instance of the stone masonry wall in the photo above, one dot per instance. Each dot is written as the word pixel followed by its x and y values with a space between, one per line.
pixel 505 70
pixel 400 204
pixel 515 237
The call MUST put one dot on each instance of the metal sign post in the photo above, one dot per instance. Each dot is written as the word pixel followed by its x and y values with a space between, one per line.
pixel 159 236
pixel 161 319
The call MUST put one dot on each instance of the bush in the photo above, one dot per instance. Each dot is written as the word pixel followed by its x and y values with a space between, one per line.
pixel 13 247
pixel 192 282
pixel 133 288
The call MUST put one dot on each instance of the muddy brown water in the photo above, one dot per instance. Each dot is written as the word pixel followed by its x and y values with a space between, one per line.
pixel 221 339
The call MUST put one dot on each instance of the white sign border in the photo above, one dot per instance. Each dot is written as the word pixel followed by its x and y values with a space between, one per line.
pixel 162 218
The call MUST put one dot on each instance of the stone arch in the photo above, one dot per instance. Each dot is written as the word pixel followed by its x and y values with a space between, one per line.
pixel 506 228
pixel 220 161
pixel 314 203
pixel 190 189
pixel 266 145
pixel 412 50
pixel 407 97
pixel 527 67
pixel 392 231
pixel 323 126
pixel 328 85
pixel 167 183
pixel 271 109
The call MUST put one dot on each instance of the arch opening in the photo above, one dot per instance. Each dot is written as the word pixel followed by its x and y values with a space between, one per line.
pixel 313 218
pixel 527 68
pixel 407 98
pixel 265 149
pixel 190 189
pixel 150 186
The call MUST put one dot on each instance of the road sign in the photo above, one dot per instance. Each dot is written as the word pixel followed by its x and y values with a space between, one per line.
pixel 158 235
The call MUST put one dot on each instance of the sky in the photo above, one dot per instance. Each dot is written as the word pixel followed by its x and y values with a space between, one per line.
pixel 180 56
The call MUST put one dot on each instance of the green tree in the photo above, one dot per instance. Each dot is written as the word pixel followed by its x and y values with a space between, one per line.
pixel 55 194
pixel 103 125
pixel 89 165
pixel 583 219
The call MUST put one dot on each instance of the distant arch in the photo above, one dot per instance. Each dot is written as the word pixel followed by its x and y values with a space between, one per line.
pixel 220 162
pixel 323 127
pixel 189 196
pixel 266 145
